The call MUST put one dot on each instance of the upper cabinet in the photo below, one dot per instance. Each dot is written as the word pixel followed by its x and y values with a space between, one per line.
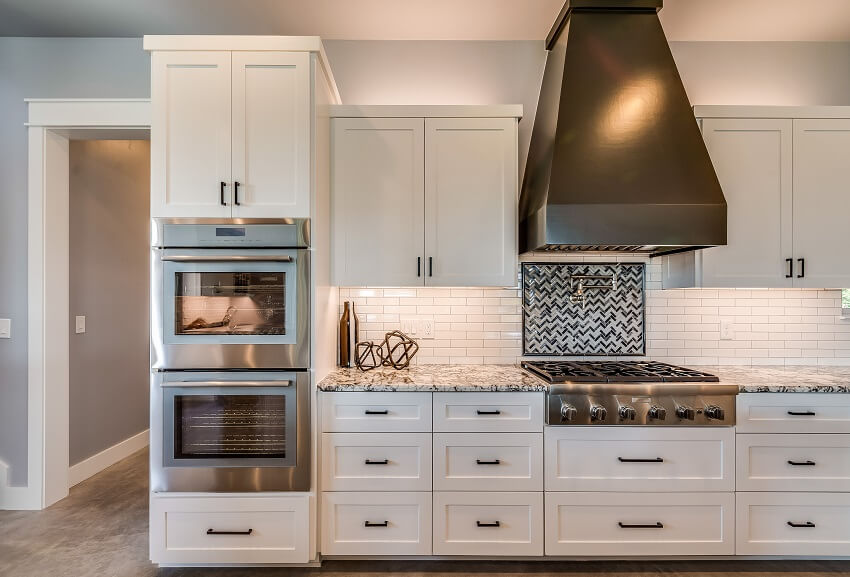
pixel 424 196
pixel 784 172
pixel 232 125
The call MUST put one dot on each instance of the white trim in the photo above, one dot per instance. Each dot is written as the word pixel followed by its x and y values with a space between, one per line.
pixel 56 112
pixel 427 111
pixel 230 43
pixel 724 111
pixel 107 457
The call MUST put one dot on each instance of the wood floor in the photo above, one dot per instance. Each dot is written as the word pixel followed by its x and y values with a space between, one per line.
pixel 101 530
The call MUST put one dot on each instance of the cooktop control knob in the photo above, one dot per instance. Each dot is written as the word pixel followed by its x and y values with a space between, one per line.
pixel 714 412
pixel 627 413
pixel 568 412
pixel 657 413
pixel 598 413
pixel 685 412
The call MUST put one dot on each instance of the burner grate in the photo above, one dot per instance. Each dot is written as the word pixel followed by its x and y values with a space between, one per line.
pixel 615 371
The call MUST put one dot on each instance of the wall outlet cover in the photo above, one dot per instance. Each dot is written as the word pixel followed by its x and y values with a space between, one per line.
pixel 727 330
pixel 5 328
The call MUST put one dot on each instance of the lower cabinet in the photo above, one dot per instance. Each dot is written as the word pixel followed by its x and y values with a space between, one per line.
pixel 223 529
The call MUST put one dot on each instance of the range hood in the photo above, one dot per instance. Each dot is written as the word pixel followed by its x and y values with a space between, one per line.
pixel 616 160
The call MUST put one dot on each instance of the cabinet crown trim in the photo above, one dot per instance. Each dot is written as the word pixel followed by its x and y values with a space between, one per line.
pixel 427 111
pixel 233 43
pixel 735 111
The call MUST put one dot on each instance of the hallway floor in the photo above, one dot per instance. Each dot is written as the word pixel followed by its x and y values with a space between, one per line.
pixel 101 530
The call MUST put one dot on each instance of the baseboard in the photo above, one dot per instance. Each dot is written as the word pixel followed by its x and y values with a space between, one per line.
pixel 106 458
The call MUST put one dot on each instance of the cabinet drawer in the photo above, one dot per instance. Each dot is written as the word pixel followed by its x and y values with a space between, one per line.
pixel 793 524
pixel 793 463
pixel 488 461
pixel 650 459
pixel 375 462
pixel 793 413
pixel 488 524
pixel 488 412
pixel 589 524
pixel 376 523
pixel 229 529
pixel 376 412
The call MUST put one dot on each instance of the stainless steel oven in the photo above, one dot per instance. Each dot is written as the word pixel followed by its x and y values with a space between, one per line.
pixel 230 294
pixel 230 431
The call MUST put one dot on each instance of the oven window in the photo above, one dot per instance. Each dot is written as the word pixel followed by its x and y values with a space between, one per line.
pixel 229 426
pixel 230 303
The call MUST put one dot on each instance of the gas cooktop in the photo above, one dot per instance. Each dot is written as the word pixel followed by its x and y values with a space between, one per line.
pixel 615 371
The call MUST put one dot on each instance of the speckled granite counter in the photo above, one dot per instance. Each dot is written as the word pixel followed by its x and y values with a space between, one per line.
pixel 785 379
pixel 457 378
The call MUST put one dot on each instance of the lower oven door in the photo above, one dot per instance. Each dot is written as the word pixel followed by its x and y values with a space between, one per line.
pixel 230 431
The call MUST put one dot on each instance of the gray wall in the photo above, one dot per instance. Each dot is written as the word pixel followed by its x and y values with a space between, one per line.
pixel 109 252
pixel 367 73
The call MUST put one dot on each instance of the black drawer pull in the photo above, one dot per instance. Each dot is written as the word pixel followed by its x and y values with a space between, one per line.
pixel 806 525
pixel 801 413
pixel 495 412
pixel 493 462
pixel 493 524
pixel 371 462
pixel 626 460
pixel 370 412
pixel 802 463
pixel 370 524
pixel 221 193
pixel 640 526
pixel 214 532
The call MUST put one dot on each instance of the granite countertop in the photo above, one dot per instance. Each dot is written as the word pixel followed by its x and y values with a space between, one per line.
pixel 805 379
pixel 455 378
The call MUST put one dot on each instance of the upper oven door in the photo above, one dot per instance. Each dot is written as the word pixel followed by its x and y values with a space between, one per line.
pixel 231 308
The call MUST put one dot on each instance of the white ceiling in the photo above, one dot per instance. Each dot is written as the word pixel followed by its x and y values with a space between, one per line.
pixel 789 20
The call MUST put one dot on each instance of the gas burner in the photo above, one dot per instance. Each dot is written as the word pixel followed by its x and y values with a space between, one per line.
pixel 615 371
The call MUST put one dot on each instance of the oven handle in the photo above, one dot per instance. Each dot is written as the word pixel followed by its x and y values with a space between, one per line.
pixel 225 258
pixel 227 384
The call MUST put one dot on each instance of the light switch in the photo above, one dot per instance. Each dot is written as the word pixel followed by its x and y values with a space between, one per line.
pixel 5 328
pixel 79 325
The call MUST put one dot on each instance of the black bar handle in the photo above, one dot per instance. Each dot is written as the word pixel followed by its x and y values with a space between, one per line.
pixel 790 262
pixel 493 412
pixel 236 193
pixel 221 193
pixel 802 262
pixel 370 524
pixel 640 526
pixel 493 462
pixel 214 532
pixel 802 463
pixel 802 413
pixel 493 524
pixel 807 524
pixel 418 266
pixel 371 462
pixel 430 266
pixel 626 460
pixel 371 412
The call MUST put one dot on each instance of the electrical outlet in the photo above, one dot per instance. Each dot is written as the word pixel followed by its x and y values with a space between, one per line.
pixel 427 329
pixel 79 325
pixel 5 328
pixel 727 332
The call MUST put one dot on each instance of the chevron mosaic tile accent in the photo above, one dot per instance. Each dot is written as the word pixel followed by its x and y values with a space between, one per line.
pixel 607 322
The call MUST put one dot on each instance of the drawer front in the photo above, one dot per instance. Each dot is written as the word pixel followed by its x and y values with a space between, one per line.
pixel 489 412
pixel 793 463
pixel 488 524
pixel 229 530
pixel 590 524
pixel 363 412
pixel 488 461
pixel 793 524
pixel 376 523
pixel 793 413
pixel 375 462
pixel 630 459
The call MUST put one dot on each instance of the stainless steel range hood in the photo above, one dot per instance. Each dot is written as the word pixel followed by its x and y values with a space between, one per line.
pixel 616 160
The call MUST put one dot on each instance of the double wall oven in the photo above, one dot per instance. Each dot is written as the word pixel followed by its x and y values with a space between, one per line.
pixel 230 352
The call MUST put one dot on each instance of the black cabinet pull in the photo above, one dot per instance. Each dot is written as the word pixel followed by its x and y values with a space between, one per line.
pixel 807 524
pixel 655 460
pixel 418 266
pixel 236 193
pixel 493 524
pixel 430 266
pixel 802 463
pixel 371 462
pixel 790 262
pixel 493 462
pixel 221 193
pixel 370 524
pixel 493 412
pixel 802 262
pixel 214 532
pixel 370 412
pixel 640 526
pixel 802 413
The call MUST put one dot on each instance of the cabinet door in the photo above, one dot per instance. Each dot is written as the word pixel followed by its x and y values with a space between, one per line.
pixel 190 134
pixel 378 201
pixel 271 134
pixel 471 201
pixel 821 192
pixel 752 158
